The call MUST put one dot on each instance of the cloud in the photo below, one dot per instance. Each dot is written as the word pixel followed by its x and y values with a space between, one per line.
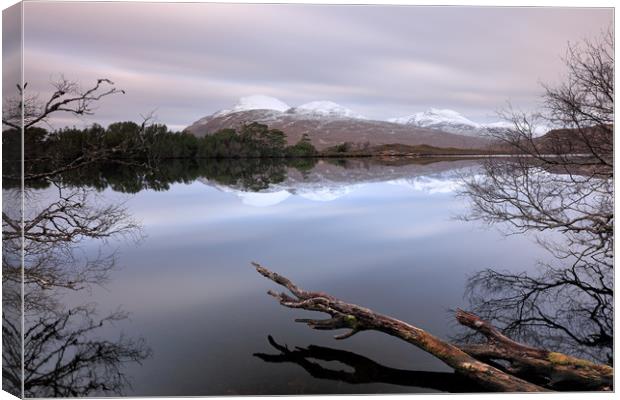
pixel 188 60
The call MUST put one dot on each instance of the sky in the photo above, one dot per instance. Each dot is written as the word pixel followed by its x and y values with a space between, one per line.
pixel 187 60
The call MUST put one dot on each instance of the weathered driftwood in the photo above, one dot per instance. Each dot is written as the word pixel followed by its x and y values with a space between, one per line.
pixel 551 368
pixel 465 360
pixel 356 319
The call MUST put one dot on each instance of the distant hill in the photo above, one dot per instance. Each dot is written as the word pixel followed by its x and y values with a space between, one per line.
pixel 584 140
pixel 328 124
pixel 567 141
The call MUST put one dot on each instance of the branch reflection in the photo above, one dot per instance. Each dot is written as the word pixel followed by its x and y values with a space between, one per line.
pixel 364 370
pixel 65 353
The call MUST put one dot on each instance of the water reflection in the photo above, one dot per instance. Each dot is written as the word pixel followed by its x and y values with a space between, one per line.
pixel 11 298
pixel 63 354
pixel 566 304
pixel 358 228
pixel 251 174
pixel 363 370
pixel 303 177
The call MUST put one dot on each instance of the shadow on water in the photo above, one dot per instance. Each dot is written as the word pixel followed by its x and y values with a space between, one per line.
pixel 364 370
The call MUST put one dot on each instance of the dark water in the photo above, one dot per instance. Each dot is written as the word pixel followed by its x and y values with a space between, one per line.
pixel 384 236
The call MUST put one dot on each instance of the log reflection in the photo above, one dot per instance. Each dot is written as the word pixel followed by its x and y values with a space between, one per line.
pixel 364 370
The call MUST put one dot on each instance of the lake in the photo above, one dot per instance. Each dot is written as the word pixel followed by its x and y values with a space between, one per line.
pixel 383 235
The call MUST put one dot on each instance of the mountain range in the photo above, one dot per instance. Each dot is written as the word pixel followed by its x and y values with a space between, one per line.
pixel 329 124
pixel 449 121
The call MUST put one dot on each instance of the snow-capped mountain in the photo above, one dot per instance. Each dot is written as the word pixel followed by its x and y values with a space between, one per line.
pixel 256 102
pixel 325 108
pixel 320 109
pixel 434 116
pixel 329 124
pixel 449 121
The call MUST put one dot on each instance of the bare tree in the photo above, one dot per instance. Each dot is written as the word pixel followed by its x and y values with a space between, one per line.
pixel 63 355
pixel 67 97
pixel 585 99
pixel 559 187
pixel 581 107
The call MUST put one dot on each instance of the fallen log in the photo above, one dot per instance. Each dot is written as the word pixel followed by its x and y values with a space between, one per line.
pixel 556 369
pixel 465 360
pixel 357 319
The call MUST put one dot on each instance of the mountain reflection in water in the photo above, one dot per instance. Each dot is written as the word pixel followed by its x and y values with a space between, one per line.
pixel 379 233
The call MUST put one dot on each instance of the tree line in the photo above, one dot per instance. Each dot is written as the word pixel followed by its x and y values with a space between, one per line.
pixel 129 140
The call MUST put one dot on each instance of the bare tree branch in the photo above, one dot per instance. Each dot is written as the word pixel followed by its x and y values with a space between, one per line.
pixel 67 96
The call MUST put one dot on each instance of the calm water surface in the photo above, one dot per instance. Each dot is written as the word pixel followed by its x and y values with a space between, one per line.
pixel 385 237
